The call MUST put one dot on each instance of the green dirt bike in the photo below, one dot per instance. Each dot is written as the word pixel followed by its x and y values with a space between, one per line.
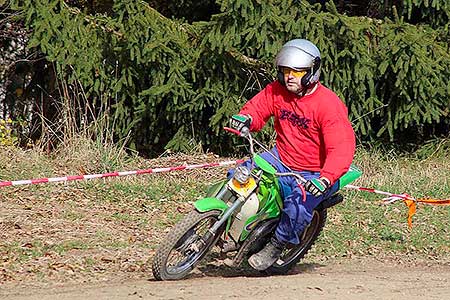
pixel 239 215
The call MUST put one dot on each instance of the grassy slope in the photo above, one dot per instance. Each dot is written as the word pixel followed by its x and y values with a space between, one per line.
pixel 107 229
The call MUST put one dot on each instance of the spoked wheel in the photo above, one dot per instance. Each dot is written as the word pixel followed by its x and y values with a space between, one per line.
pixel 292 255
pixel 185 245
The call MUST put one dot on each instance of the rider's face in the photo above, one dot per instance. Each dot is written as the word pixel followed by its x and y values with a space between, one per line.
pixel 293 79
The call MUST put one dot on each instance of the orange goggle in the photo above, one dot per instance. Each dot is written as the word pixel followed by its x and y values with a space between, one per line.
pixel 287 71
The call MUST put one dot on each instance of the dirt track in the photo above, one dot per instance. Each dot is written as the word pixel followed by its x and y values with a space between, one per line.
pixel 349 279
pixel 76 242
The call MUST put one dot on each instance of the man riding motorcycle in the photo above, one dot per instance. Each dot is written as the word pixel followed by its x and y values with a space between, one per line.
pixel 314 138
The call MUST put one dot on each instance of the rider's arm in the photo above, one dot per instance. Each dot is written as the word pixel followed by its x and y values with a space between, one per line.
pixel 339 140
pixel 260 107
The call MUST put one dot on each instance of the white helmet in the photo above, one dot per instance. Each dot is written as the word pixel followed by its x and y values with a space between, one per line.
pixel 300 54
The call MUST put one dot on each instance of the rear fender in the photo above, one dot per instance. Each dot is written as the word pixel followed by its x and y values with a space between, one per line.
pixel 352 174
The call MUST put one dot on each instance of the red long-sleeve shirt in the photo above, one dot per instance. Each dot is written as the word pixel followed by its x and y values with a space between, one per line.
pixel 313 131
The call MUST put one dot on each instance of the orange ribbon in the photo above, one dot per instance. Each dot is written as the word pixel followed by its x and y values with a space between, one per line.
pixel 434 201
pixel 412 206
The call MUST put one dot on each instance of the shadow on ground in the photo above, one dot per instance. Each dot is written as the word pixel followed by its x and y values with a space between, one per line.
pixel 218 269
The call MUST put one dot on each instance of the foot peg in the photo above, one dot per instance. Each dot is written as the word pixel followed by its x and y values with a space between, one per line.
pixel 229 246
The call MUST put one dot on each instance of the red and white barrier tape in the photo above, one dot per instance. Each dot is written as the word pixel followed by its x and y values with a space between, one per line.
pixel 407 199
pixel 390 197
pixel 116 174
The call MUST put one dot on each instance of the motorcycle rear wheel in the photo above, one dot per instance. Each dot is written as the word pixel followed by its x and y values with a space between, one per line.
pixel 292 255
pixel 183 246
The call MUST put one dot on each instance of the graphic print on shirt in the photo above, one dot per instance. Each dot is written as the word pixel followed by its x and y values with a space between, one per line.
pixel 294 119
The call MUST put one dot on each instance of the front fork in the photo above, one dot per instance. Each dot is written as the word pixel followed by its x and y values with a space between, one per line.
pixel 216 203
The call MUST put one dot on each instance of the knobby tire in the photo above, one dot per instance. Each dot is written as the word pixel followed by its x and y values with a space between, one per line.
pixel 180 235
pixel 292 256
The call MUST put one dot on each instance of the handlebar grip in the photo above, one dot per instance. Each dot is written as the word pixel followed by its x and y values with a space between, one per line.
pixel 236 132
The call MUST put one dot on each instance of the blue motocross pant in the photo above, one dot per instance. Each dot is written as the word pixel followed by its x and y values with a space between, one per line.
pixel 296 214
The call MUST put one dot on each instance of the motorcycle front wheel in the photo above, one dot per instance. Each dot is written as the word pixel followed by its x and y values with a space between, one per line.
pixel 292 255
pixel 185 245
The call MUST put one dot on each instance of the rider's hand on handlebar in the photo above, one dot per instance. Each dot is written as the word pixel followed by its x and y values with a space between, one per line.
pixel 238 122
pixel 317 186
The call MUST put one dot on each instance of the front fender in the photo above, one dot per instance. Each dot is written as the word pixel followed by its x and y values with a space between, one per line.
pixel 210 203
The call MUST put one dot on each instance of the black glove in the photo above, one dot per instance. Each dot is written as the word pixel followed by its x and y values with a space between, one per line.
pixel 317 186
pixel 238 122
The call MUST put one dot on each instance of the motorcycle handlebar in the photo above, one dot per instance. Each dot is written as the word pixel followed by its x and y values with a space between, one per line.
pixel 246 133
pixel 301 184
pixel 298 176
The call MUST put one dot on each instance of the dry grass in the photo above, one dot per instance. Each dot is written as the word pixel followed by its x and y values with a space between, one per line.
pixel 405 174
pixel 90 230
pixel 368 227
pixel 107 229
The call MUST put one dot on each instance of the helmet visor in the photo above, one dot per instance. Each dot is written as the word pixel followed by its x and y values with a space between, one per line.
pixel 296 73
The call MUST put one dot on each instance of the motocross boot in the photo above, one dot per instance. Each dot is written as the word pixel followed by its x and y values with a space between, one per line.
pixel 267 256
